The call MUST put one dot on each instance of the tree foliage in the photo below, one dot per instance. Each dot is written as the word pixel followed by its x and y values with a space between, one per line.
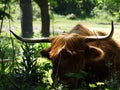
pixel 4 8
pixel 77 7
pixel 87 7
pixel 107 8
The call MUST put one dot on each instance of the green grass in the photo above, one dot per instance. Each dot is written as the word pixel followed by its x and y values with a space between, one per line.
pixel 61 23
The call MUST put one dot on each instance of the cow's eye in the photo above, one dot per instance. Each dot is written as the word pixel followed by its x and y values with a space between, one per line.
pixel 66 55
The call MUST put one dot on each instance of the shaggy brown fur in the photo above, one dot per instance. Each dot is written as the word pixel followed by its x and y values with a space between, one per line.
pixel 70 53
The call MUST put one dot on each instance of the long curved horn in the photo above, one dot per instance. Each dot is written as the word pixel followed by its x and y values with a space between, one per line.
pixel 31 40
pixel 99 38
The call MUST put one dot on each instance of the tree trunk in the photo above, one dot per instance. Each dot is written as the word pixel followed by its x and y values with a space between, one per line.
pixel 26 18
pixel 43 4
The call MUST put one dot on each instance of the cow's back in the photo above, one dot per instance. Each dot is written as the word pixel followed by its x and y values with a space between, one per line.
pixel 82 30
pixel 110 63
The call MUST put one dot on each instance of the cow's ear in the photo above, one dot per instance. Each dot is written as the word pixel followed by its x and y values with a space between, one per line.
pixel 94 53
pixel 45 53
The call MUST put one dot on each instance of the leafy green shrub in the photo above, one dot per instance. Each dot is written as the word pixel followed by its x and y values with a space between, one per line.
pixel 30 71
pixel 101 13
pixel 7 53
pixel 7 56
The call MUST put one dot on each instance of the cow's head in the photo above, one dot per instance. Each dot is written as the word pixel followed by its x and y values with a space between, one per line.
pixel 68 45
pixel 70 52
